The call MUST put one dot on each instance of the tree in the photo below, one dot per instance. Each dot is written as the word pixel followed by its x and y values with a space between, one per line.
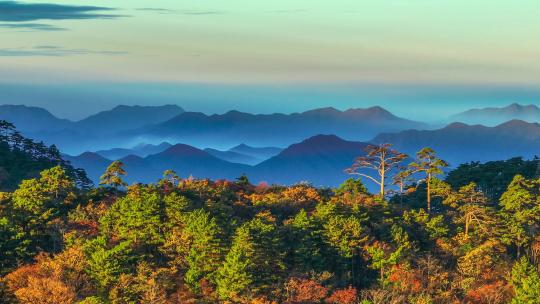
pixel 113 175
pixel 170 180
pixel 526 282
pixel 255 260
pixel 382 159
pixel 521 211
pixel 206 248
pixel 384 255
pixel 471 205
pixel 306 244
pixel 428 164
pixel 351 186
pixel 136 217
pixel 106 263
pixel 401 179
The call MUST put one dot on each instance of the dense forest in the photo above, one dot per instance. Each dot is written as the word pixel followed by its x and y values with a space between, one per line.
pixel 471 235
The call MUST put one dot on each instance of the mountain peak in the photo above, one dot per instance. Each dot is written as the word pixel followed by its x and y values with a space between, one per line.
pixel 457 125
pixel 183 150
pixel 323 111
pixel 494 116
pixel 516 123
pixel 376 111
pixel 241 146
pixel 321 143
pixel 139 107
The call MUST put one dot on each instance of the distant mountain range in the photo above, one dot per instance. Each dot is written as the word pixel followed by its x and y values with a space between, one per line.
pixel 32 119
pixel 96 130
pixel 495 116
pixel 141 150
pixel 242 154
pixel 126 126
pixel 459 143
pixel 320 159
pixel 232 127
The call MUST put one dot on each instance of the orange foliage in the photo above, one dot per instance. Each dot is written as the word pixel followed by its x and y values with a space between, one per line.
pixel 405 280
pixel 296 195
pixel 301 195
pixel 45 291
pixel 305 291
pixel 51 280
pixel 343 296
pixel 85 228
pixel 495 293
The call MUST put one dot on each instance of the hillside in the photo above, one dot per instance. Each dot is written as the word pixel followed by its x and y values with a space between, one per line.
pixel 459 142
pixel 32 119
pixel 319 160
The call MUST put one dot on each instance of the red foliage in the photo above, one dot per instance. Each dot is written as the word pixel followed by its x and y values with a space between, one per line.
pixel 262 187
pixel 305 291
pixel 405 279
pixel 494 293
pixel 343 296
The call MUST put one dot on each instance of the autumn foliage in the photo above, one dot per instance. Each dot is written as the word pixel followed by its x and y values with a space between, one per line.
pixel 202 241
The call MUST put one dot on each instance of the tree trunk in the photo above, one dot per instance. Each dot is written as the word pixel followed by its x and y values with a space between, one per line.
pixel 383 173
pixel 429 193
pixel 467 220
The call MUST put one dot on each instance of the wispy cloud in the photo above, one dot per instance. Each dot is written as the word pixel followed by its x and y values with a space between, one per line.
pixel 158 10
pixel 290 11
pixel 31 27
pixel 15 11
pixel 52 51
pixel 180 12
pixel 200 12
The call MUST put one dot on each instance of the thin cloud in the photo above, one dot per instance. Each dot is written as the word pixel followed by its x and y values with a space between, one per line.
pixel 158 10
pixel 180 12
pixel 199 12
pixel 290 11
pixel 52 51
pixel 31 27
pixel 15 11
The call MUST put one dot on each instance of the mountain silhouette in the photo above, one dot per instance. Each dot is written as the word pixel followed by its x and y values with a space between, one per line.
pixel 275 129
pixel 459 142
pixel 494 116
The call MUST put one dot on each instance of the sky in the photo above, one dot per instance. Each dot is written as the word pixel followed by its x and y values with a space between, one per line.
pixel 417 58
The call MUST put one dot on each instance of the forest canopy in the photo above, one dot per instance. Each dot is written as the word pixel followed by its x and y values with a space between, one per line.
pixel 471 238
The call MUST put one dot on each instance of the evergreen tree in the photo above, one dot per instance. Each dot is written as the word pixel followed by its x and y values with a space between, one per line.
pixel 526 282
pixel 521 211
pixel 206 248
pixel 113 175
pixel 136 217
pixel 381 159
pixel 428 164
pixel 255 261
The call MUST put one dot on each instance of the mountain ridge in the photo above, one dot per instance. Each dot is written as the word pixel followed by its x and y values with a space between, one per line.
pixel 497 115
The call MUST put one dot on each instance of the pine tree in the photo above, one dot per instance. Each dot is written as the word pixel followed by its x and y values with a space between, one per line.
pixel 381 159
pixel 136 217
pixel 521 211
pixel 255 261
pixel 113 175
pixel 206 248
pixel 526 282
pixel 428 164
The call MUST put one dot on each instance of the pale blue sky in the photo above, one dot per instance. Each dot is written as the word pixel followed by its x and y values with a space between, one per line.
pixel 213 55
